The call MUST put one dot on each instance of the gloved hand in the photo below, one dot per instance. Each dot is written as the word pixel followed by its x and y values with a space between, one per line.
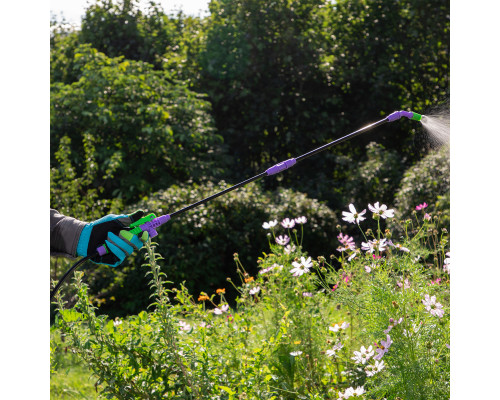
pixel 110 230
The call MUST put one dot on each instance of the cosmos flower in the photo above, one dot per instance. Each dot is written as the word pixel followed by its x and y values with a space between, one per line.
pixel 282 240
pixel 383 348
pixel 270 224
pixel 301 220
pixel 362 356
pixel 421 206
pixel 302 267
pixel 372 369
pixel 353 217
pixel 255 290
pixel 381 211
pixel 296 353
pixel 288 223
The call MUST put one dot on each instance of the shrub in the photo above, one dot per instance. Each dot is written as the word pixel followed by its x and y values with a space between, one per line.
pixel 376 177
pixel 428 181
pixel 199 245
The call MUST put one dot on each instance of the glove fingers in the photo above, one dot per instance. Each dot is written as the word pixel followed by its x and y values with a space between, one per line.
pixel 126 220
pixel 131 239
pixel 118 252
pixel 121 244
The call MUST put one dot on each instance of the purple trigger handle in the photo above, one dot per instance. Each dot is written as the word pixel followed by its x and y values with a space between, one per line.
pixel 149 226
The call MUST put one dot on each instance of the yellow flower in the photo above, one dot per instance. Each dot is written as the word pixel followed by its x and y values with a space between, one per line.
pixel 219 291
pixel 248 280
pixel 203 297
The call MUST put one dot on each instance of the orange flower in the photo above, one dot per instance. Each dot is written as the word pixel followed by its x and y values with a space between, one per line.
pixel 248 280
pixel 219 291
pixel 203 297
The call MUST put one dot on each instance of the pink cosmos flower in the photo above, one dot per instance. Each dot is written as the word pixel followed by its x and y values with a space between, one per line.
pixel 282 240
pixel 421 206
pixel 383 348
pixel 406 284
pixel 255 290
pixel 347 242
pixel 270 224
pixel 427 217
pixel 432 306
pixel 363 355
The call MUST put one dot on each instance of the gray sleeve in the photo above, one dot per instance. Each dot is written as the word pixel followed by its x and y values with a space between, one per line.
pixel 64 234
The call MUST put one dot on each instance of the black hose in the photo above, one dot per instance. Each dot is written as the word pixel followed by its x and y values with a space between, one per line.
pixel 68 272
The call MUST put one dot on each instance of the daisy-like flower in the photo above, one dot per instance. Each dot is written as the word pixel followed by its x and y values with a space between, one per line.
pixel 432 306
pixel 334 350
pixel 373 245
pixel 222 309
pixel 421 206
pixel 117 322
pixel 282 240
pixel 270 224
pixel 427 217
pixel 381 211
pixel 289 249
pixel 288 223
pixel 353 217
pixel 296 353
pixel 301 268
pixel 372 369
pixel 255 290
pixel 347 242
pixel 358 391
pixel 415 328
pixel 300 220
pixel 383 348
pixel 307 294
pixel 344 325
pixel 362 356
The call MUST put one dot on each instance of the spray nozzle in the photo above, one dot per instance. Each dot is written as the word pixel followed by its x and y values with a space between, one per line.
pixel 408 114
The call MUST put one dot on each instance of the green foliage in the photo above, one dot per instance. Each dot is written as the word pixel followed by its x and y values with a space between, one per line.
pixel 288 336
pixel 156 128
pixel 199 245
pixel 427 181
pixel 120 28
pixel 260 68
pixel 377 177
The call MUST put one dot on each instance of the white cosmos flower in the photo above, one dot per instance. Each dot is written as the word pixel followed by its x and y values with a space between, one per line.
pixel 381 211
pixel 289 249
pixel 302 267
pixel 337 327
pixel 372 369
pixel 334 350
pixel 270 224
pixel 288 223
pixel 373 245
pixel 255 290
pixel 301 220
pixel 296 353
pixel 353 217
pixel 362 356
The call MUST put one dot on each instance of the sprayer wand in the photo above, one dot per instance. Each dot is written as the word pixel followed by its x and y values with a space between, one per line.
pixel 150 222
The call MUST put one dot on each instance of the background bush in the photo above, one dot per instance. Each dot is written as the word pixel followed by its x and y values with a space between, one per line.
pixel 427 181
pixel 199 246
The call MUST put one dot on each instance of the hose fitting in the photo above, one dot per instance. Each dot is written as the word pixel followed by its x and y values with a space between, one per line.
pixel 408 114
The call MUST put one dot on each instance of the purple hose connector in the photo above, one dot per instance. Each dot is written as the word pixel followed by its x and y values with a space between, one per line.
pixel 281 166
pixel 398 114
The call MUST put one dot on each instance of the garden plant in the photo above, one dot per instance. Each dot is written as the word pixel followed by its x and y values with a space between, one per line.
pixel 371 320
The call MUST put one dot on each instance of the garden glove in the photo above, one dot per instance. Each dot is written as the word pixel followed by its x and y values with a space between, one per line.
pixel 111 231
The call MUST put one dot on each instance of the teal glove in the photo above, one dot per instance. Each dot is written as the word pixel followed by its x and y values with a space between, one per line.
pixel 111 231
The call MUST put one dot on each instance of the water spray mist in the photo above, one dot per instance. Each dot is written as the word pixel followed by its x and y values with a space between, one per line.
pixel 150 222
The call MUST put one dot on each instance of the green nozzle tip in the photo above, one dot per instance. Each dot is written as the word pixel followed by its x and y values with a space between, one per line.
pixel 416 117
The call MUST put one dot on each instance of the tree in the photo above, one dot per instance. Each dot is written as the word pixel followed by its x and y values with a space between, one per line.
pixel 160 131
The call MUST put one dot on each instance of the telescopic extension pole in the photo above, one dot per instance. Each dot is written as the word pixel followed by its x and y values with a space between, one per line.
pixel 151 222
